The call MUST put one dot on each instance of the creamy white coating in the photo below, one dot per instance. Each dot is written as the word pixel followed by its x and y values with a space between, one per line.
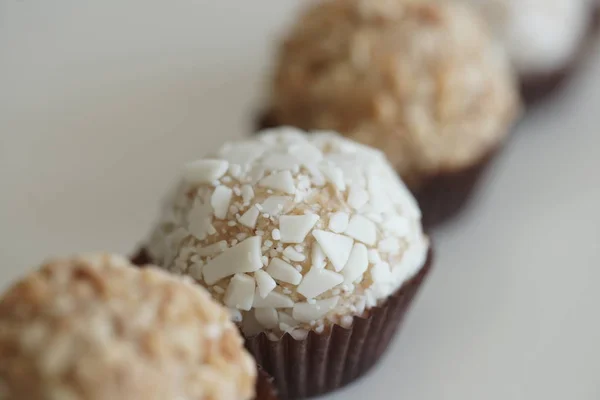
pixel 540 36
pixel 293 231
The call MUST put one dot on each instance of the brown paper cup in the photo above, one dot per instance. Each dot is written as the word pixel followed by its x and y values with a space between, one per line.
pixel 141 258
pixel 325 362
pixel 446 194
pixel 265 387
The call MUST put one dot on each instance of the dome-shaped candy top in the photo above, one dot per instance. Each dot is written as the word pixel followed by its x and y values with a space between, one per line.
pixel 292 231
pixel 420 80
pixel 96 328
pixel 528 31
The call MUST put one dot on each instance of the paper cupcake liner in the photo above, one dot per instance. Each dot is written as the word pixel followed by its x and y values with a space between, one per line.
pixel 322 363
pixel 446 194
pixel 265 387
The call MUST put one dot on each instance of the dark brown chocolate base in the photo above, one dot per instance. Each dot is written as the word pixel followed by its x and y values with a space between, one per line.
pixel 325 362
pixel 265 120
pixel 535 88
pixel 446 194
pixel 141 258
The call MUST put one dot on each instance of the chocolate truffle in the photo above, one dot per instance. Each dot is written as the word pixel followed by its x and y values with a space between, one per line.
pixel 299 235
pixel 292 232
pixel 545 39
pixel 423 81
pixel 92 327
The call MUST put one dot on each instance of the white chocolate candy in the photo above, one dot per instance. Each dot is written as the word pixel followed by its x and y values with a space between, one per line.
pixel 96 327
pixel 540 36
pixel 265 283
pixel 294 228
pixel 240 292
pixel 280 270
pixel 423 81
pixel 243 257
pixel 205 171
pixel 306 230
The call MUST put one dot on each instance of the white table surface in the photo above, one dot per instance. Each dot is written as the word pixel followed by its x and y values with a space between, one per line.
pixel 100 102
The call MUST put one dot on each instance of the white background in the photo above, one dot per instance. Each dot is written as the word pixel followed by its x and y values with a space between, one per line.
pixel 101 101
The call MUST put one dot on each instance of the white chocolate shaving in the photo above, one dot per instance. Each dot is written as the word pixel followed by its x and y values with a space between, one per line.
pixel 294 228
pixel 318 281
pixel 338 222
pixel 250 217
pixel 305 312
pixel 280 181
pixel 205 171
pixel 267 317
pixel 220 201
pixel 362 229
pixel 282 271
pixel 243 257
pixel 293 254
pixel 357 263
pixel 265 283
pixel 240 292
pixel 336 247
pixel 273 300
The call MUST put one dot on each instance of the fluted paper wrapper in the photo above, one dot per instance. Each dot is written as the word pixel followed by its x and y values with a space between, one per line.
pixel 325 362
pixel 265 387
pixel 444 195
